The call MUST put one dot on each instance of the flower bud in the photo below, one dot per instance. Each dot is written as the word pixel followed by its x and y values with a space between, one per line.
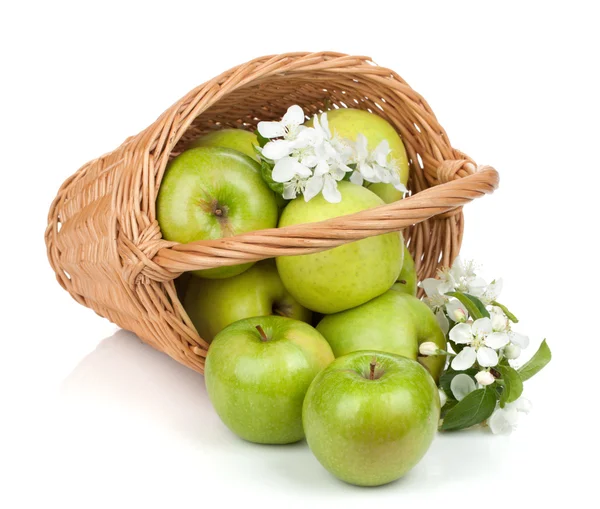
pixel 443 397
pixel 512 351
pixel 485 378
pixel 428 348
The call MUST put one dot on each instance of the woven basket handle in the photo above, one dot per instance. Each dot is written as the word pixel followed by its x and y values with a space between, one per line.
pixel 460 185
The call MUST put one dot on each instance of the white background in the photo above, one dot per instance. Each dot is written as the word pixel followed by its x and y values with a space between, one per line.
pixel 90 417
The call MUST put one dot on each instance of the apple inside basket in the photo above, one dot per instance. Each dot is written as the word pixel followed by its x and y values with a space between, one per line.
pixel 104 236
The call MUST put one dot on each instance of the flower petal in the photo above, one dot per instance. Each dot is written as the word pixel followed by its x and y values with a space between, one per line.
pixel 442 321
pixel 289 191
pixel 356 178
pixel 271 129
pixel 360 145
pixel 465 359
pixel 321 168
pixel 314 185
pixel 330 190
pixel 461 385
pixel 287 168
pixel 482 326
pixel 430 285
pixel 522 405
pixel 498 423
pixel 293 116
pixel 487 357
pixel 277 149
pixel 496 340
pixel 519 339
pixel 461 334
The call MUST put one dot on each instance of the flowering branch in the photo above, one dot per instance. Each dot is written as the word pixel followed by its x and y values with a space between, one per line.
pixel 480 384
pixel 297 159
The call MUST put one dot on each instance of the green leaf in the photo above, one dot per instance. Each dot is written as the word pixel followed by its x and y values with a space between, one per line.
pixel 542 357
pixel 474 306
pixel 265 172
pixel 449 374
pixel 513 384
pixel 262 141
pixel 510 316
pixel 473 409
pixel 450 404
pixel 480 305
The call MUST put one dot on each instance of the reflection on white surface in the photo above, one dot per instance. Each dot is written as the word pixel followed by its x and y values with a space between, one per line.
pixel 125 381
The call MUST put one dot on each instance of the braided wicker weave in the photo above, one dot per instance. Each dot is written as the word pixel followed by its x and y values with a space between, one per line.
pixel 105 244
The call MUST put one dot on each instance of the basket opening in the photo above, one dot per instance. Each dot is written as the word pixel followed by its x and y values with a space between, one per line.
pixel 269 98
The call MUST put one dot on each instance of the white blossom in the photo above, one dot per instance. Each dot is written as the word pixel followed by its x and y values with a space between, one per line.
pixel 504 420
pixel 457 311
pixel 288 128
pixel 512 351
pixel 375 166
pixel 485 378
pixel 481 344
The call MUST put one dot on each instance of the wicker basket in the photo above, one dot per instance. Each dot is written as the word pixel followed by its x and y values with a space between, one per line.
pixel 105 244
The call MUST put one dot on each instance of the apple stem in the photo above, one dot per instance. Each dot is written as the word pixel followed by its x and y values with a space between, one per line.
pixel 372 368
pixel 218 212
pixel 261 331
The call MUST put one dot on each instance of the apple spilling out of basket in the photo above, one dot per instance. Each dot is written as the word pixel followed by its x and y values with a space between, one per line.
pixel 325 345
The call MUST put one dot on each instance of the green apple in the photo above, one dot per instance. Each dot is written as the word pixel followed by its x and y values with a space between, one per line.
pixel 236 139
pixel 257 372
pixel 212 192
pixel 407 280
pixel 345 276
pixel 212 304
pixel 394 322
pixel 348 123
pixel 371 416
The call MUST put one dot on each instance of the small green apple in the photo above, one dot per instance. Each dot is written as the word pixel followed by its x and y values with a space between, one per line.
pixel 212 304
pixel 345 276
pixel 257 372
pixel 348 123
pixel 236 139
pixel 371 416
pixel 407 280
pixel 394 322
pixel 212 192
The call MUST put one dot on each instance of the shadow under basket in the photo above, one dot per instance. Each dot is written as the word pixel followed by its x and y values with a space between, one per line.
pixel 104 241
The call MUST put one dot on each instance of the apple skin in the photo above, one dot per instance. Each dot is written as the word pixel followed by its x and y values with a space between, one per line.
pixel 407 280
pixel 237 139
pixel 257 387
pixel 213 192
pixel 349 122
pixel 371 432
pixel 345 276
pixel 394 322
pixel 213 304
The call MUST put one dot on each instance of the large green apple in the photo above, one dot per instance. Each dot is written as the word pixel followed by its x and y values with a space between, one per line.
pixel 407 280
pixel 257 372
pixel 348 275
pixel 394 322
pixel 371 416
pixel 211 192
pixel 236 139
pixel 348 123
pixel 212 304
